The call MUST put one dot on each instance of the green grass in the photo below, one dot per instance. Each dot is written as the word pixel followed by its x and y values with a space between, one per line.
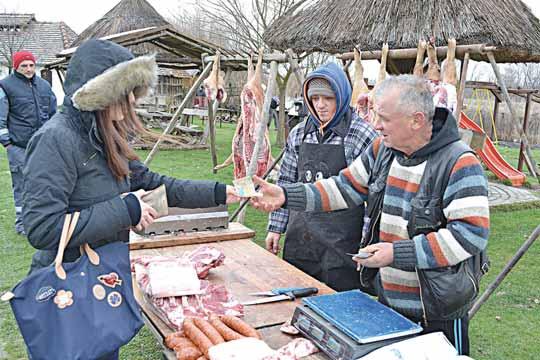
pixel 514 336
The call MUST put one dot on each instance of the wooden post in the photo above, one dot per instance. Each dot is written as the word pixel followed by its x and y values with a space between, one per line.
pixel 527 154
pixel 295 67
pixel 265 113
pixel 495 114
pixel 299 77
pixel 346 69
pixel 61 77
pixel 282 89
pixel 493 286
pixel 178 112
pixel 461 90
pixel 212 131
pixel 525 127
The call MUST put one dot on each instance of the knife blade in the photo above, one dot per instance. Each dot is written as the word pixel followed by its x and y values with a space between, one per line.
pixel 291 295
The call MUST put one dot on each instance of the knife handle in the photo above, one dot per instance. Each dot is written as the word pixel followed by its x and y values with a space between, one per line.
pixel 297 293
pixel 281 291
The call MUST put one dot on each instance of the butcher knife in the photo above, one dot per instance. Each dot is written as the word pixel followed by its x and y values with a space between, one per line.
pixel 290 295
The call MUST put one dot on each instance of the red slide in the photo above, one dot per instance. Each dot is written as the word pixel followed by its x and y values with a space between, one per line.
pixel 491 156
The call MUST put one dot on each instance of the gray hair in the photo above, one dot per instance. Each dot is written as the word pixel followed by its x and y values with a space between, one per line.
pixel 414 93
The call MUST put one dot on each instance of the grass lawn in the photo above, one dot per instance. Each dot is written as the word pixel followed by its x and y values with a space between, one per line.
pixel 506 327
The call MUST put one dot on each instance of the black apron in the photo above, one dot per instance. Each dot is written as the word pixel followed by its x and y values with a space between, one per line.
pixel 316 242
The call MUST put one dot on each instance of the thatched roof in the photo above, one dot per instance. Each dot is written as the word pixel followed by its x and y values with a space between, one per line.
pixel 127 15
pixel 337 26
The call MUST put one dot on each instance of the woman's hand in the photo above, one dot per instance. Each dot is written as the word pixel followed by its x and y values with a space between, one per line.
pixel 232 196
pixel 148 213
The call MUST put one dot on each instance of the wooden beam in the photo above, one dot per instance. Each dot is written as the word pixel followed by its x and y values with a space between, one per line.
pixel 171 50
pixel 176 116
pixel 461 90
pixel 527 154
pixel 407 54
pixel 279 57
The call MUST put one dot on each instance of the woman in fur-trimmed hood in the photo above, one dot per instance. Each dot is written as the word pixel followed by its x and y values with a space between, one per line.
pixel 81 161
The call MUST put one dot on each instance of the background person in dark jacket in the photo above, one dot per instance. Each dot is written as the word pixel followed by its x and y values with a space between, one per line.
pixel 26 102
pixel 81 161
pixel 328 141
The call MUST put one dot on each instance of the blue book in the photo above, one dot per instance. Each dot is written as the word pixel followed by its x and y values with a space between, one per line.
pixel 362 318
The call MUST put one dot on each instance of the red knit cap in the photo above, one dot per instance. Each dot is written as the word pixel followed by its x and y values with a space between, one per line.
pixel 21 56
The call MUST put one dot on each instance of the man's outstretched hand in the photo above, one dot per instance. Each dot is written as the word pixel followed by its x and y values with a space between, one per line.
pixel 273 196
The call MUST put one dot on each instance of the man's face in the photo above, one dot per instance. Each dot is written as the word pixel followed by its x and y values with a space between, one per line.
pixel 395 125
pixel 27 68
pixel 325 106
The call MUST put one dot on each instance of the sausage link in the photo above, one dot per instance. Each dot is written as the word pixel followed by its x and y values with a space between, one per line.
pixel 209 330
pixel 184 348
pixel 225 331
pixel 240 326
pixel 197 336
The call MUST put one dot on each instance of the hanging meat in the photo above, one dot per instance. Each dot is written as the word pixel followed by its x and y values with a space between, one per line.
pixel 420 53
pixel 444 92
pixel 382 67
pixel 362 97
pixel 245 136
pixel 214 85
pixel 360 94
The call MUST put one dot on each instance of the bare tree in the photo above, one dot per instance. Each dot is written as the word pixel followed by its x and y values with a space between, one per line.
pixel 14 36
pixel 243 23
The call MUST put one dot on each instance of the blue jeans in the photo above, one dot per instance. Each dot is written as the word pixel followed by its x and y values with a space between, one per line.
pixel 16 157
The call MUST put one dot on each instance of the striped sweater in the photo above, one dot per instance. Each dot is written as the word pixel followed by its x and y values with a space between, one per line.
pixel 465 205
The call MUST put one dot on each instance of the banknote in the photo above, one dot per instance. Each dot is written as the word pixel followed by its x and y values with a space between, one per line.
pixel 245 188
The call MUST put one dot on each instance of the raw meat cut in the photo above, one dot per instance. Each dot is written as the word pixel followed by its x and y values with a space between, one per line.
pixel 245 136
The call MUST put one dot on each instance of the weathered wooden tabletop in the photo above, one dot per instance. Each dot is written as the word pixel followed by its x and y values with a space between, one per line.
pixel 247 268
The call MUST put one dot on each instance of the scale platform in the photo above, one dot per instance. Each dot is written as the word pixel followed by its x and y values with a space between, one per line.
pixel 350 324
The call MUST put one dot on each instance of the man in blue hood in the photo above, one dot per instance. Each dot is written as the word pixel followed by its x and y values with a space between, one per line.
pixel 318 148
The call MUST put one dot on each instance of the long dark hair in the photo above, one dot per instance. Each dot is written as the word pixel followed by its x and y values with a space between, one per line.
pixel 116 134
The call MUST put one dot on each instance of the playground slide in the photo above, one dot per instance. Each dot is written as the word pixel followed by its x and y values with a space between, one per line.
pixel 491 156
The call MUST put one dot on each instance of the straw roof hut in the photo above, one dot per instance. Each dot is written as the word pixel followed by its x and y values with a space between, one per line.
pixel 127 15
pixel 337 26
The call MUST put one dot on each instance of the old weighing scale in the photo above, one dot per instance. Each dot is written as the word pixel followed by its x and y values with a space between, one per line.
pixel 350 324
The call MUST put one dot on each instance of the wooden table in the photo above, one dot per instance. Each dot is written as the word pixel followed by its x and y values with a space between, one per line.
pixel 247 268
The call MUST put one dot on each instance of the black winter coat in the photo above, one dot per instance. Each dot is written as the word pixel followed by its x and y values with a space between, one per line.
pixel 66 171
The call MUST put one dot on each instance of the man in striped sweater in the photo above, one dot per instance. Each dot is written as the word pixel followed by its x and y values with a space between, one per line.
pixel 414 131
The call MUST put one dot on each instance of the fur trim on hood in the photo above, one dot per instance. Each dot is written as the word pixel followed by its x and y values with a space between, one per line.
pixel 137 75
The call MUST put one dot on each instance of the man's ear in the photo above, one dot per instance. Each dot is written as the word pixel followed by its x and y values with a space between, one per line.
pixel 419 120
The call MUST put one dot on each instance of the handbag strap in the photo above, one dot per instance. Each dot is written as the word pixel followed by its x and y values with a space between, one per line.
pixel 70 222
pixel 93 256
pixel 67 230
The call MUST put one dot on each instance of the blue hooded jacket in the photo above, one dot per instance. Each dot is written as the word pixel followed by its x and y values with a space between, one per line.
pixel 335 75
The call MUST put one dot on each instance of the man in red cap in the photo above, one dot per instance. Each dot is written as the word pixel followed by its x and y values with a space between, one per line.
pixel 26 102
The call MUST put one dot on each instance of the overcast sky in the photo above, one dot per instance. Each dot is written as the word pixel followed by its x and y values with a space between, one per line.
pixel 80 14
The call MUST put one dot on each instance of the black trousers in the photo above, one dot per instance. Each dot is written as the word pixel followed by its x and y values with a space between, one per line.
pixel 456 331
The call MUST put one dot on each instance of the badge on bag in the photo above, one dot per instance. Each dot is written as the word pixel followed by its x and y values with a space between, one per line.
pixel 45 293
pixel 114 299
pixel 63 299
pixel 99 292
pixel 110 280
